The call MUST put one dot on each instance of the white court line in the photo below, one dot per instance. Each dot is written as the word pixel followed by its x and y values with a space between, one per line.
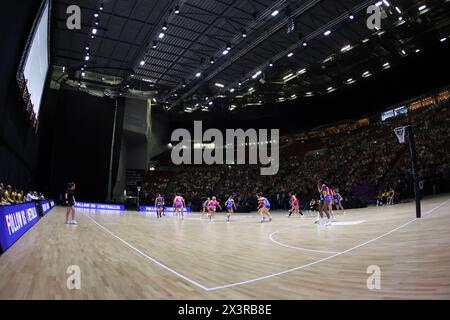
pixel 150 258
pixel 305 249
pixel 269 275
pixel 296 248
pixel 327 258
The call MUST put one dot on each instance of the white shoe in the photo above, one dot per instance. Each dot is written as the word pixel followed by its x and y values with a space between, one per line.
pixel 73 222
pixel 67 222
pixel 328 223
pixel 262 220
pixel 334 220
pixel 270 219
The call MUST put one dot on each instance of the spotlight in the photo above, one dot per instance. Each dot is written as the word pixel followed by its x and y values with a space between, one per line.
pixel 94 31
pixel 164 26
pixel 211 60
pixel 86 58
pixel 142 62
pixel 327 33
pixel 83 74
pixel 219 85
pixel 96 14
pixel 244 34
pixel 101 6
pixel 198 74
pixel 228 46
pixel 177 9
pixel 422 7
pixel 351 17
pixel 154 44
pixel 275 13
pixel 290 54
pixel 304 43
pixel 225 52
pixel 161 35
pixel 271 64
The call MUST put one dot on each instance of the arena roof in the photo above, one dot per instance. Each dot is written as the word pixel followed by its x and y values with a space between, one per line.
pixel 187 53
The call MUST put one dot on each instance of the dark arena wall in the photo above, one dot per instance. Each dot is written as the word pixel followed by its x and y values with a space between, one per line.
pixel 76 143
pixel 18 139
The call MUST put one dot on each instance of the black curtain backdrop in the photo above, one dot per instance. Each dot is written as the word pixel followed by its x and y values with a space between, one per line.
pixel 18 140
pixel 76 144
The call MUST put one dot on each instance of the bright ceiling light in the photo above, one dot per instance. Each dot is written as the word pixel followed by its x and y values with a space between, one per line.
pixel 198 74
pixel 177 10
pixel 96 14
pixel 225 52
pixel 379 3
pixel 386 65
pixel 443 39
pixel 86 58
pixel 398 9
pixel 232 90
pixel 288 76
pixel 327 33
pixel 417 50
pixel 251 89
pixel 386 3
pixel 256 74
pixel 142 62
pixel 351 17
pixel 346 48
pixel 302 71
pixel 219 85
pixel 423 7
pixel 161 35
pixel 290 54
pixel 83 74
pixel 94 31
pixel 275 13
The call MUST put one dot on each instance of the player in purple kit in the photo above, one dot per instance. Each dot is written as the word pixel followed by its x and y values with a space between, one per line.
pixel 159 204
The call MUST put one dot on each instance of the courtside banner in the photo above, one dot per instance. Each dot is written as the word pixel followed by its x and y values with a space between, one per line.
pixel 15 221
pixel 166 209
pixel 100 206
pixel 52 203
pixel 45 207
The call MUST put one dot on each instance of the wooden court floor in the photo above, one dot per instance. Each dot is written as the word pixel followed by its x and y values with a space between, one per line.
pixel 135 256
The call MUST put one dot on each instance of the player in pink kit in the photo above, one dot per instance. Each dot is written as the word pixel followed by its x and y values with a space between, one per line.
pixel 212 207
pixel 179 204
pixel 295 205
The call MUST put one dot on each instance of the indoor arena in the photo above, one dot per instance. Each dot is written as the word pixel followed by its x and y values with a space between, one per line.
pixel 225 150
